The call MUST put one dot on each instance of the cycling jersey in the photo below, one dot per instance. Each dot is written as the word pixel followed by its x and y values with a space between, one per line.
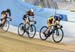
pixel 29 13
pixel 50 19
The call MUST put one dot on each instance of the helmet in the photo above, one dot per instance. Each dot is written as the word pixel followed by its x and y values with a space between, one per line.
pixel 31 10
pixel 8 11
pixel 58 17
pixel 3 12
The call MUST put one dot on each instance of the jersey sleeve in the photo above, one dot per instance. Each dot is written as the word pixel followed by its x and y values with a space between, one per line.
pixel 24 17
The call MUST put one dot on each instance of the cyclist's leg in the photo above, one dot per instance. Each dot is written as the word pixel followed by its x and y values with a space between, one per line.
pixel 3 22
pixel 47 30
pixel 27 21
pixel 0 23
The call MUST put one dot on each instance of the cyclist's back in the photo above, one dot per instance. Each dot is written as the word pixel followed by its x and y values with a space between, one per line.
pixel 51 19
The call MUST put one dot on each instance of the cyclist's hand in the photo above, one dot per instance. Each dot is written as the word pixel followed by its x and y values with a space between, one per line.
pixel 10 19
pixel 61 26
pixel 34 20
pixel 52 24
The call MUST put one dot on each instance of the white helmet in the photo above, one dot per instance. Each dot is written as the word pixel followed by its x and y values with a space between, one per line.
pixel 31 10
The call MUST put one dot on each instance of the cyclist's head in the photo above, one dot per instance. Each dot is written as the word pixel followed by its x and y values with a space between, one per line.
pixel 58 17
pixel 32 10
pixel 3 13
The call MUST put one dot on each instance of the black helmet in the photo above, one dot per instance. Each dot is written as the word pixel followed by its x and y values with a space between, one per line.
pixel 3 12
pixel 8 11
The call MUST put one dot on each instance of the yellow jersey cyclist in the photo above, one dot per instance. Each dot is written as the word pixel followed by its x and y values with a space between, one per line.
pixel 53 20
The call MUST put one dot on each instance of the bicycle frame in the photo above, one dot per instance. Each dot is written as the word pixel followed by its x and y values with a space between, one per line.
pixel 54 28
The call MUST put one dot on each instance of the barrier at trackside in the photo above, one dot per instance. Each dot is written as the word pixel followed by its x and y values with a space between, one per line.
pixel 19 8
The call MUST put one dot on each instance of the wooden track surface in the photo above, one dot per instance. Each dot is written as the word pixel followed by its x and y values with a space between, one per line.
pixel 10 42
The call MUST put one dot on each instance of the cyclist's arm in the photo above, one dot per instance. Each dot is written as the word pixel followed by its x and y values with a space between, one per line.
pixel 33 18
pixel 53 22
pixel 57 22
pixel 3 18
pixel 10 18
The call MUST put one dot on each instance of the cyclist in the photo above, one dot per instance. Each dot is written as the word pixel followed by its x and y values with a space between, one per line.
pixel 5 14
pixel 3 19
pixel 27 15
pixel 53 20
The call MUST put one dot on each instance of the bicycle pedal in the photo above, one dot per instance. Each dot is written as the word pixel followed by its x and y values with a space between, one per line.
pixel 46 35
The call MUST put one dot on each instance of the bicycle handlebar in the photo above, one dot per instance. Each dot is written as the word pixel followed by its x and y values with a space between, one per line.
pixel 57 26
pixel 33 21
pixel 9 18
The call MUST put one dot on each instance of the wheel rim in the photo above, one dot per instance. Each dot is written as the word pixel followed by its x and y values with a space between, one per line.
pixel 20 30
pixel 6 26
pixel 42 35
pixel 32 31
pixel 58 35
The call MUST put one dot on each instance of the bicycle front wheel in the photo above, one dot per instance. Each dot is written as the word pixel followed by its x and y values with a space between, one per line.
pixel 58 35
pixel 32 31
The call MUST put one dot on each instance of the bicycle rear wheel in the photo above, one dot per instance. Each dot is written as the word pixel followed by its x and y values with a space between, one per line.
pixel 58 35
pixel 41 33
pixel 6 26
pixel 21 29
